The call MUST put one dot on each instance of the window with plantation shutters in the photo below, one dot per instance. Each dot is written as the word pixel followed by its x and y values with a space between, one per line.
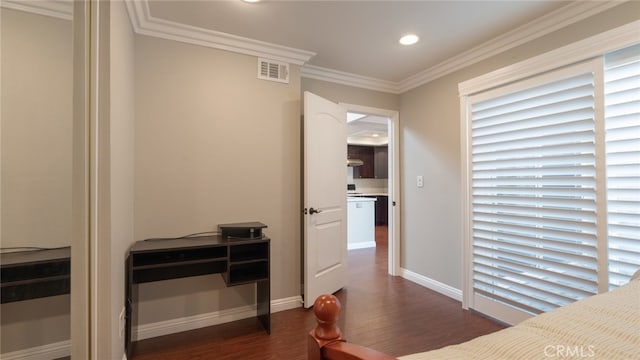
pixel 533 191
pixel 552 179
pixel 622 119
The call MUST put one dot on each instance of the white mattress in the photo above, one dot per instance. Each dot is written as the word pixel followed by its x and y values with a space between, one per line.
pixel 605 326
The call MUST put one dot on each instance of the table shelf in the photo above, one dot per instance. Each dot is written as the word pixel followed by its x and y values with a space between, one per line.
pixel 239 261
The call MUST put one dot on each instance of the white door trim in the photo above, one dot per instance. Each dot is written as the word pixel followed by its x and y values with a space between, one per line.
pixel 394 179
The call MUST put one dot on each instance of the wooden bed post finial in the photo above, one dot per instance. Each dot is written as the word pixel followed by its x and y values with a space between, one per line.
pixel 325 341
pixel 327 309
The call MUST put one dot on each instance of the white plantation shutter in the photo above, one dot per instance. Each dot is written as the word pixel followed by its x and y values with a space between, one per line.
pixel 552 178
pixel 622 123
pixel 533 191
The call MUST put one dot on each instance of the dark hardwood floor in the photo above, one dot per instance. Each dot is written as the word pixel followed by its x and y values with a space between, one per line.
pixel 389 314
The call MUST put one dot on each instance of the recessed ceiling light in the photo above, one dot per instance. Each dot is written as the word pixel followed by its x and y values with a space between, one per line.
pixel 409 39
pixel 251 1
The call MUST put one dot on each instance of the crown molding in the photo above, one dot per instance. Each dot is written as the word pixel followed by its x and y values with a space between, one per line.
pixel 565 16
pixel 589 48
pixel 145 24
pixel 57 9
pixel 544 25
pixel 345 78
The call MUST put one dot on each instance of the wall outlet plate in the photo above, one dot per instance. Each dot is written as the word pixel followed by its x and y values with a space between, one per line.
pixel 419 181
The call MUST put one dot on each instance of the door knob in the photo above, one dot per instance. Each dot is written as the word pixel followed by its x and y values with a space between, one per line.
pixel 314 211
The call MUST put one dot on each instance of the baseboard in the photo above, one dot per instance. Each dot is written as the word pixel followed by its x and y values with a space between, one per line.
pixel 286 304
pixel 172 326
pixel 44 352
pixel 361 245
pixel 434 285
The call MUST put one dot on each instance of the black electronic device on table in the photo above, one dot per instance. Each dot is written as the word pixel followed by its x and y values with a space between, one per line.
pixel 246 230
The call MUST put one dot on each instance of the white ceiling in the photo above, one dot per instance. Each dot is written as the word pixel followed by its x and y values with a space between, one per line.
pixel 361 37
pixel 369 130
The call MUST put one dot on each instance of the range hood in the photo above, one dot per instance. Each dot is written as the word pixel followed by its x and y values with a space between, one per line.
pixel 354 162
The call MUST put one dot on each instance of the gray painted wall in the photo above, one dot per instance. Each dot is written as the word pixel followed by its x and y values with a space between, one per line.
pixel 214 145
pixel 351 95
pixel 122 136
pixel 36 161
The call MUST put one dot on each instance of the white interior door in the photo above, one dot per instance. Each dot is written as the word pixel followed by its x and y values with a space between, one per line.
pixel 325 199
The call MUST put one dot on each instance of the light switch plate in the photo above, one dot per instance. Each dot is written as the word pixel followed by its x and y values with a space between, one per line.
pixel 419 181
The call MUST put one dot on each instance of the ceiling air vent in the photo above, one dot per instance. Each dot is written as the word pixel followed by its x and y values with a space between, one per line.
pixel 273 70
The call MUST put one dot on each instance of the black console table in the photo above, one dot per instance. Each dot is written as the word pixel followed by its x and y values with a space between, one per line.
pixel 35 274
pixel 239 260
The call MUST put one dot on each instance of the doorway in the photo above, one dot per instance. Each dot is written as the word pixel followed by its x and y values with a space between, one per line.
pixel 374 133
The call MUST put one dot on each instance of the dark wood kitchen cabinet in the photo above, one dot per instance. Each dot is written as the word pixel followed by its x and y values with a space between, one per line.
pixel 374 158
pixel 380 162
pixel 364 153
pixel 382 210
